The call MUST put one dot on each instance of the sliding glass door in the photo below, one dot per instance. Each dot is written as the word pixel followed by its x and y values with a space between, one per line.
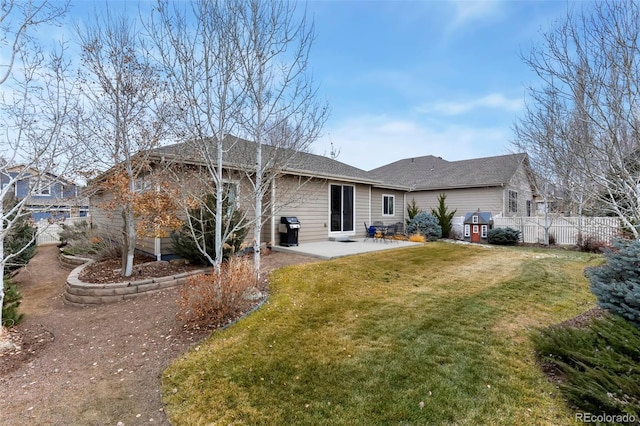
pixel 342 208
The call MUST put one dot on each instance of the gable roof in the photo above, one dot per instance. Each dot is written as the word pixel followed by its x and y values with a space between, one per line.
pixel 241 154
pixel 433 173
pixel 483 217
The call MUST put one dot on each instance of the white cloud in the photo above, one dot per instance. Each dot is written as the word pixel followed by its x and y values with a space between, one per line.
pixel 494 100
pixel 470 11
pixel 368 142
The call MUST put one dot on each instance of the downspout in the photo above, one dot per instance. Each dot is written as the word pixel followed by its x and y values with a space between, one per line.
pixel 369 218
pixel 273 213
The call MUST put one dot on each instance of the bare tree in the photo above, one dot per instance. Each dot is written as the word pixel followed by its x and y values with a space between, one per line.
pixel 33 104
pixel 281 107
pixel 124 116
pixel 195 45
pixel 589 64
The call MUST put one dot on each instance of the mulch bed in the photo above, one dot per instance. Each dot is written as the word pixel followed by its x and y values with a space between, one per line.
pixel 109 271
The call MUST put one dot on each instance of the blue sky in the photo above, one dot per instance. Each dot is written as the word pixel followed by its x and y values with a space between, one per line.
pixel 411 78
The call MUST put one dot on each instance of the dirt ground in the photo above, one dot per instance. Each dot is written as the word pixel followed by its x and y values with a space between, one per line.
pixel 93 365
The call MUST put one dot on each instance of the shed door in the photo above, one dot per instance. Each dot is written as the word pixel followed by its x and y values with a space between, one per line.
pixel 475 234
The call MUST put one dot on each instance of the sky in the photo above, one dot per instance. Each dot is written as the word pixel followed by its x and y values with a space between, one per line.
pixel 411 78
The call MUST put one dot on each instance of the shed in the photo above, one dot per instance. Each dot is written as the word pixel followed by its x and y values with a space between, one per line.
pixel 477 225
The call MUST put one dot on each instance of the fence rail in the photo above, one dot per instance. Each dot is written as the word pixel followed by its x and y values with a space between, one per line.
pixel 563 229
pixel 49 233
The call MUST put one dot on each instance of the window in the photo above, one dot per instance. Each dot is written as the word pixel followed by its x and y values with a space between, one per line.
pixel 388 202
pixel 483 231
pixel 528 207
pixel 230 195
pixel 513 201
pixel 467 230
pixel 40 186
pixel 141 184
pixel 475 229
pixel 474 219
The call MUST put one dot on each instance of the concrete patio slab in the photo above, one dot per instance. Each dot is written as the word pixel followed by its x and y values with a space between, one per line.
pixel 334 249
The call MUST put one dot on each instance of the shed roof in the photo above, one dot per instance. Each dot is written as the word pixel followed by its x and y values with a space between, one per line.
pixel 483 217
pixel 430 173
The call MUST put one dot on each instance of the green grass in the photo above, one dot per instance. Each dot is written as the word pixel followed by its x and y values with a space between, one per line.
pixel 370 339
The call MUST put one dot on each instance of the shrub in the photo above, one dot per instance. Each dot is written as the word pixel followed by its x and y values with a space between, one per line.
pixel 417 238
pixel 503 236
pixel 444 216
pixel 204 227
pixel 616 284
pixel 10 304
pixel 426 224
pixel 590 244
pixel 81 239
pixel 412 210
pixel 21 235
pixel 215 299
pixel 599 365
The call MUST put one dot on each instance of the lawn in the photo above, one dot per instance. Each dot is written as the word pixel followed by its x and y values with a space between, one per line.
pixel 438 334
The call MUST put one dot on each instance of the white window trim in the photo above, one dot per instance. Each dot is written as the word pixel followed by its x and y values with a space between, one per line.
pixel 467 230
pixel 393 198
pixel 41 187
pixel 474 219
pixel 515 206
pixel 483 231
pixel 475 229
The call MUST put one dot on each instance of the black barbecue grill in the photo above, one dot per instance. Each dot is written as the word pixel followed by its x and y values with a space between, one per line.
pixel 289 227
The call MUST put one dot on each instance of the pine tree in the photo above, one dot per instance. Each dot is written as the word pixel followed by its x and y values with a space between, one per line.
pixel 616 284
pixel 444 216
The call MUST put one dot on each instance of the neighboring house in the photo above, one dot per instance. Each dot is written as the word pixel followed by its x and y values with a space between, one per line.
pixel 501 185
pixel 333 200
pixel 48 196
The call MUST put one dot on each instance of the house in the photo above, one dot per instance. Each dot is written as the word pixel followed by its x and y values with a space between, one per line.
pixel 333 200
pixel 502 185
pixel 48 196
pixel 477 226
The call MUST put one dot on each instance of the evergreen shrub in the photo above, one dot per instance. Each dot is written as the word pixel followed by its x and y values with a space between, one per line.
pixel 203 222
pixel 598 365
pixel 10 304
pixel 425 224
pixel 22 234
pixel 444 216
pixel 503 236
pixel 616 283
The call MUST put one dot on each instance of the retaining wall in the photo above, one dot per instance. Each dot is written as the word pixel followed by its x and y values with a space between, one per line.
pixel 82 294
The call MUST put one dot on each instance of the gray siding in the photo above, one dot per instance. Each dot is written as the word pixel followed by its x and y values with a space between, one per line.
pixel 464 200
pixel 310 204
pixel 377 212
pixel 521 184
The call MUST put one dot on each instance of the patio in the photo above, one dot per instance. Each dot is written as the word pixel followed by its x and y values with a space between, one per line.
pixel 334 249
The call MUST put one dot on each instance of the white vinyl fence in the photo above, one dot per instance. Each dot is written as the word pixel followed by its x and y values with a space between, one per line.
pixel 49 233
pixel 563 229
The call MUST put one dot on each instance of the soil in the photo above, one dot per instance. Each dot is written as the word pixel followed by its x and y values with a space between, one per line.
pixel 94 365
pixel 109 271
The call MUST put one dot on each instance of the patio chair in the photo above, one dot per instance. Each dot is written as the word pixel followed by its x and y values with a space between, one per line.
pixel 370 232
pixel 391 232
pixel 399 228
